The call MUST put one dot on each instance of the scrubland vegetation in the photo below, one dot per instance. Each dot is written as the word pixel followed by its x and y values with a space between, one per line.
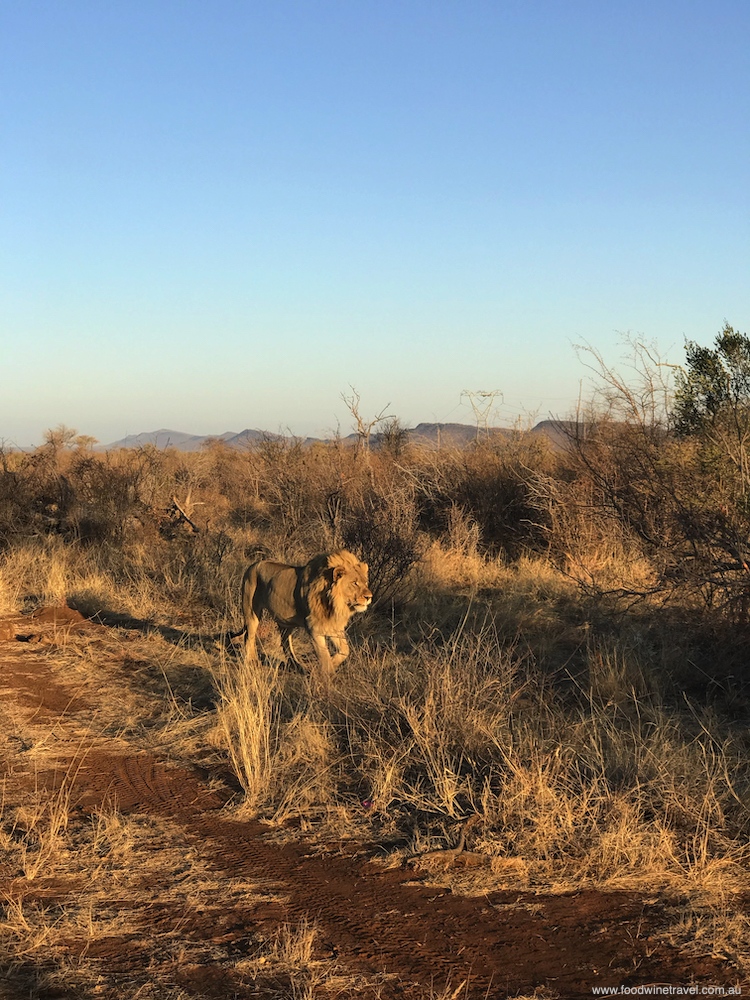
pixel 558 643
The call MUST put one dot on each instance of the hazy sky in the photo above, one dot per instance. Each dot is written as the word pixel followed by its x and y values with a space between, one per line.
pixel 220 214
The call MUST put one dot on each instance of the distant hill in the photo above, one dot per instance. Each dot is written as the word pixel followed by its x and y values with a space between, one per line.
pixel 449 435
pixel 187 442
pixel 461 435
pixel 163 438
pixel 559 432
pixel 426 435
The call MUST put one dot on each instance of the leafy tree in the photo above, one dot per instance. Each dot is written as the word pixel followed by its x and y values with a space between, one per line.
pixel 712 401
pixel 85 442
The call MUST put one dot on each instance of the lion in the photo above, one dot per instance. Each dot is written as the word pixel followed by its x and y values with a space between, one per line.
pixel 320 597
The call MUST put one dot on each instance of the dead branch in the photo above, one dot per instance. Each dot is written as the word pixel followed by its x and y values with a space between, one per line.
pixel 183 516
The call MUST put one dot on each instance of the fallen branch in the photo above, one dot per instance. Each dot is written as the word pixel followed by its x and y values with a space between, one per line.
pixel 454 855
pixel 184 516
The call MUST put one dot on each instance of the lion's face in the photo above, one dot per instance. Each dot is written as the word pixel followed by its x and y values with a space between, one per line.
pixel 350 586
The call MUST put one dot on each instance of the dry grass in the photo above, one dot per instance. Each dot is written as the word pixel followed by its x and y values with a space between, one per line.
pixel 715 928
pixel 250 722
pixel 601 746
pixel 599 779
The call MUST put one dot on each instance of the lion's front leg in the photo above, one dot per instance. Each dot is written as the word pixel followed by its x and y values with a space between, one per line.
pixel 321 650
pixel 288 647
pixel 342 649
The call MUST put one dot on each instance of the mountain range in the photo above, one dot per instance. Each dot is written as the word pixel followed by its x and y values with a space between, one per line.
pixel 429 435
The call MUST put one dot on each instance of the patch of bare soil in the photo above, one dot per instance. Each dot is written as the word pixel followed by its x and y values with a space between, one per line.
pixel 382 930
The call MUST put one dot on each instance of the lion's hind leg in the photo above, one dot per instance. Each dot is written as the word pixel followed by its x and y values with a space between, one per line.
pixel 251 628
pixel 249 584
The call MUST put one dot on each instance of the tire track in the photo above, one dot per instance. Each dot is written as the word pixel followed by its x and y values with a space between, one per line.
pixel 375 921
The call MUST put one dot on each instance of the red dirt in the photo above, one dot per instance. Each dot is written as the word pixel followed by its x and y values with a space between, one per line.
pixel 372 920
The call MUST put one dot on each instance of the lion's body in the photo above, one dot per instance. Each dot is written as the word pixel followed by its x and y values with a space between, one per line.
pixel 320 597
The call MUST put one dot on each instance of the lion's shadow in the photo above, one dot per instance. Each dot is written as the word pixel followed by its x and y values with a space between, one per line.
pixel 170 633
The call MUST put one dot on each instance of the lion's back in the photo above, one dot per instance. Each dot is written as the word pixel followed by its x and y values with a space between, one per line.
pixel 276 590
pixel 323 594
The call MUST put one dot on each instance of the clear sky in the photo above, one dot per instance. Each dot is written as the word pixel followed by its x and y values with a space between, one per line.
pixel 219 215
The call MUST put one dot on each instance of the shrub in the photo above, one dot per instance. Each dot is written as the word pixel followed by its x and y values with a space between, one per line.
pixel 494 485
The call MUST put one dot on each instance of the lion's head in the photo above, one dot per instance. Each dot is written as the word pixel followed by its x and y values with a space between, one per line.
pixel 350 584
pixel 338 586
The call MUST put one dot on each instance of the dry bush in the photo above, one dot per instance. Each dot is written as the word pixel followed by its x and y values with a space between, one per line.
pixel 660 496
pixel 105 498
pixel 633 492
pixel 610 785
pixel 291 488
pixel 491 484
pixel 379 521
pixel 34 496
pixel 231 486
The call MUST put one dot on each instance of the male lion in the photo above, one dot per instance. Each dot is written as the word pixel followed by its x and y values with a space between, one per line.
pixel 320 597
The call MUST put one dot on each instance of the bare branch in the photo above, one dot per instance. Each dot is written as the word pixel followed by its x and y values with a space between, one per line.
pixel 364 427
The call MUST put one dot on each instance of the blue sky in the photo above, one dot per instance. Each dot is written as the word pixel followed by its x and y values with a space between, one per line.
pixel 219 215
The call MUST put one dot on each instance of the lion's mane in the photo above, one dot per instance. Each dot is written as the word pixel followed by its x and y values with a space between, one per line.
pixel 328 602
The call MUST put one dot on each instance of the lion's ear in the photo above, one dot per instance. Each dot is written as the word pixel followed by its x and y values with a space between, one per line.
pixel 338 572
pixel 365 567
